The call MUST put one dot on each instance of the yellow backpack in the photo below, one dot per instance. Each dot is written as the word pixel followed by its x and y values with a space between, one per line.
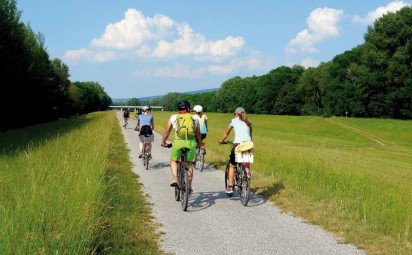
pixel 185 126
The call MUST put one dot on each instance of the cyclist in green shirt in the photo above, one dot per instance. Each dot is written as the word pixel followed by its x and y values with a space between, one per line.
pixel 187 135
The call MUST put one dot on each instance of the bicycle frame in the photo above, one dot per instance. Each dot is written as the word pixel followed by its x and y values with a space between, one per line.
pixel 242 178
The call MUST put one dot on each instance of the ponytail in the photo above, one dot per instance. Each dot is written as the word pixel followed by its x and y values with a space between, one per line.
pixel 243 117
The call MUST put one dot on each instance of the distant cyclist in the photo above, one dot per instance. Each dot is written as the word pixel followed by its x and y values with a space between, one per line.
pixel 243 133
pixel 202 119
pixel 145 123
pixel 187 135
pixel 126 115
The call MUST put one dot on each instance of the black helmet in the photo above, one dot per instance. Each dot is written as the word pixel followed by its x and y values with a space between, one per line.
pixel 183 105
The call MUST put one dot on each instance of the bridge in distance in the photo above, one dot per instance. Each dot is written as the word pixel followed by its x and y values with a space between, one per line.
pixel 121 107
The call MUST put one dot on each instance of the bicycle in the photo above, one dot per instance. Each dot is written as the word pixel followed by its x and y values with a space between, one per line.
pixel 200 158
pixel 182 190
pixel 125 122
pixel 242 177
pixel 147 151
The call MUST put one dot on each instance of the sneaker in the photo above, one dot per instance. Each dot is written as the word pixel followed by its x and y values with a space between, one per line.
pixel 141 155
pixel 229 191
pixel 174 181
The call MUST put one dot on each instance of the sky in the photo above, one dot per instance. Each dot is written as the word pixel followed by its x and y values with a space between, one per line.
pixel 137 48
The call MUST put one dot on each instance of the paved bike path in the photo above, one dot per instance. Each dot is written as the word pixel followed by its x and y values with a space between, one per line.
pixel 216 224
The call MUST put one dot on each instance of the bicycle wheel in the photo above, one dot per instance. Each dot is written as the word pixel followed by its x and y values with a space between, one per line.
pixel 184 186
pixel 245 184
pixel 227 179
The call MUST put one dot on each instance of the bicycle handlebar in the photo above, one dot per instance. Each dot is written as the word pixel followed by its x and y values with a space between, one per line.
pixel 227 142
pixel 169 145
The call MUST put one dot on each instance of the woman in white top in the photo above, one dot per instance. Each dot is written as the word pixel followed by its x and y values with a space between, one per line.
pixel 202 119
pixel 243 133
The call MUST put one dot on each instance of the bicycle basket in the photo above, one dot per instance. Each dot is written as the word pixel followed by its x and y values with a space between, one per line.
pixel 244 157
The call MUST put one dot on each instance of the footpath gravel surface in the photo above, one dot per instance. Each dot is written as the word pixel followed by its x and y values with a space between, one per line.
pixel 216 224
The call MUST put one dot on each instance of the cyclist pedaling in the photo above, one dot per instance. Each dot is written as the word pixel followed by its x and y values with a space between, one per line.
pixel 145 123
pixel 187 135
pixel 243 133
pixel 202 119
pixel 126 114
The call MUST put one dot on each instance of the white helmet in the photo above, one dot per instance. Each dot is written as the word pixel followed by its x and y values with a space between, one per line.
pixel 198 108
pixel 145 108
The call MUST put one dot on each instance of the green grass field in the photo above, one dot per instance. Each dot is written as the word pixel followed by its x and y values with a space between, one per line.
pixel 352 176
pixel 67 188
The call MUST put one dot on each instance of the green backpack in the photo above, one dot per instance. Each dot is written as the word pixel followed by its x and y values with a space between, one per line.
pixel 185 126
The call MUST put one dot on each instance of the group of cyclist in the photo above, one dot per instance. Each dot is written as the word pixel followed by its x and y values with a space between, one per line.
pixel 190 131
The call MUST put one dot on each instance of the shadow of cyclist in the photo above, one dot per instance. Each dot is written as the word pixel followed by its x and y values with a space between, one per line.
pixel 202 200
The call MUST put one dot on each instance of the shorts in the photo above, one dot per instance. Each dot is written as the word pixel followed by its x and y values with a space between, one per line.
pixel 203 136
pixel 232 155
pixel 180 144
pixel 146 131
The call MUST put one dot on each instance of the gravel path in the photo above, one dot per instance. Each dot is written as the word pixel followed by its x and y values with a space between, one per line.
pixel 216 224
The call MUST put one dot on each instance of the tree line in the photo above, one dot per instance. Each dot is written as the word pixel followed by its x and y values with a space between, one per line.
pixel 35 88
pixel 373 79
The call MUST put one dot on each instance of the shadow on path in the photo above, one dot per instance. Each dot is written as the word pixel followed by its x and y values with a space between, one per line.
pixel 203 200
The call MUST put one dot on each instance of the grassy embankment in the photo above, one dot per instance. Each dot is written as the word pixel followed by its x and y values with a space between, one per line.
pixel 332 175
pixel 67 188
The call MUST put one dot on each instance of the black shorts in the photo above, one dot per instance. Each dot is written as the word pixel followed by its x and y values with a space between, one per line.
pixel 146 131
pixel 203 136
pixel 232 154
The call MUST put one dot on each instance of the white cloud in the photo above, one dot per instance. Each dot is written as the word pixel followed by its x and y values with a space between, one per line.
pixel 155 37
pixel 177 70
pixel 322 24
pixel 308 62
pixel 133 30
pixel 379 12
pixel 105 56
pixel 190 43
pixel 253 62
pixel 75 56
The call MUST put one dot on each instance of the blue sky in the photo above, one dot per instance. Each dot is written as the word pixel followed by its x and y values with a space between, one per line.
pixel 139 48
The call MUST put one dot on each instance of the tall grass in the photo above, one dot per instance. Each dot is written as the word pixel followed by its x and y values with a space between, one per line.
pixel 53 185
pixel 332 175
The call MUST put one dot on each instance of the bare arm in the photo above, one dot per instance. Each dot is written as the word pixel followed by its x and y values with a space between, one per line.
pixel 166 134
pixel 206 125
pixel 152 124
pixel 226 134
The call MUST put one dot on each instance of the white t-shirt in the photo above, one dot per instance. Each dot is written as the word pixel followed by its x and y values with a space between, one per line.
pixel 242 131
pixel 202 121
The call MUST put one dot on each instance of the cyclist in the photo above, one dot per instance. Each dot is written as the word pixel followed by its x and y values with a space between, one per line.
pixel 187 135
pixel 125 116
pixel 202 119
pixel 243 133
pixel 145 123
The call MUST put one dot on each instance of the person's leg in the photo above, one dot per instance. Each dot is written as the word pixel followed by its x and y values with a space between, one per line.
pixel 231 177
pixel 173 166
pixel 190 166
pixel 175 155
pixel 141 149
